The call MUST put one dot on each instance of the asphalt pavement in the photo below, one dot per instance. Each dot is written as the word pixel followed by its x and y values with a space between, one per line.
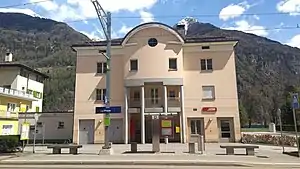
pixel 130 167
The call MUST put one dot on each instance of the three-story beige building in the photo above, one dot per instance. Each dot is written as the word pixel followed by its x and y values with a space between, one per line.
pixel 157 72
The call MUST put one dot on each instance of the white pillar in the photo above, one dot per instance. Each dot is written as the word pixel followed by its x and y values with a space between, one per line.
pixel 183 119
pixel 165 100
pixel 143 115
pixel 126 116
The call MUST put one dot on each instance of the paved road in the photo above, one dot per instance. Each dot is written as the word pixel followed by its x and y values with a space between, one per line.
pixel 135 167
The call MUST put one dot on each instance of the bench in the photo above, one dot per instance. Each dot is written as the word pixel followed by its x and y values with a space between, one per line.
pixel 230 149
pixel 73 148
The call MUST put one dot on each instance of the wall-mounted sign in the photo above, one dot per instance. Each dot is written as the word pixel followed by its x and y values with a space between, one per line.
pixel 111 109
pixel 166 132
pixel 209 109
pixel 166 123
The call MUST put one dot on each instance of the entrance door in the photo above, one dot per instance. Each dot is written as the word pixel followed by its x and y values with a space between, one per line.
pixel 226 128
pixel 116 131
pixel 86 131
pixel 196 129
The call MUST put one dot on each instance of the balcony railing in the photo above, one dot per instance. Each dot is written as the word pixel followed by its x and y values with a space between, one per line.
pixel 16 93
pixel 174 102
pixel 8 114
pixel 154 102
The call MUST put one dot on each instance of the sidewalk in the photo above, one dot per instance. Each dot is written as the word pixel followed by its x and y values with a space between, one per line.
pixel 214 156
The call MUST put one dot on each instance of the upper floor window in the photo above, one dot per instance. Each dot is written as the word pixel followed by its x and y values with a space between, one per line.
pixel 11 107
pixel 208 92
pixel 100 94
pixel 172 64
pixel 136 95
pixel 133 65
pixel 101 67
pixel 152 42
pixel 172 94
pixel 206 64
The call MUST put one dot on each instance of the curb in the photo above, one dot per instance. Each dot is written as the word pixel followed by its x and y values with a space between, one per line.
pixel 127 162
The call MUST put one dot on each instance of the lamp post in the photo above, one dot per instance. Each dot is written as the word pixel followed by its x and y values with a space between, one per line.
pixel 280 124
pixel 36 117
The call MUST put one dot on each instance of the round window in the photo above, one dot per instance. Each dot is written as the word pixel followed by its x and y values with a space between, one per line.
pixel 152 42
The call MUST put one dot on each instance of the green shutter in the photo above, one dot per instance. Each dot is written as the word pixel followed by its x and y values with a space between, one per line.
pixel 34 94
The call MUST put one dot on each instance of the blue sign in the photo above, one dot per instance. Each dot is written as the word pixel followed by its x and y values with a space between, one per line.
pixel 112 109
pixel 295 101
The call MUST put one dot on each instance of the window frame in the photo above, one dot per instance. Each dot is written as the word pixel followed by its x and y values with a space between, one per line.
pixel 101 68
pixel 170 65
pixel 196 127
pixel 206 64
pixel 212 90
pixel 170 94
pixel 100 94
pixel 136 95
pixel 154 95
pixel 9 107
pixel 131 65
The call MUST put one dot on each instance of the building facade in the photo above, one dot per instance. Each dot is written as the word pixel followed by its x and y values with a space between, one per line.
pixel 52 127
pixel 21 90
pixel 189 83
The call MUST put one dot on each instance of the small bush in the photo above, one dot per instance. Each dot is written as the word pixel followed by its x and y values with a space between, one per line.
pixel 9 143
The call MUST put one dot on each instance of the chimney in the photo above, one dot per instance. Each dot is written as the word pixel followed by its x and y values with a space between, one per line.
pixel 8 57
pixel 181 29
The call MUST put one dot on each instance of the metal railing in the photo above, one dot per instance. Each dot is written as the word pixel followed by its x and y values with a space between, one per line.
pixel 174 102
pixel 154 102
pixel 15 92
pixel 8 114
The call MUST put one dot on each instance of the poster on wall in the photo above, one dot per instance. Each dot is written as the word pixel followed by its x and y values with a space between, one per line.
pixel 166 131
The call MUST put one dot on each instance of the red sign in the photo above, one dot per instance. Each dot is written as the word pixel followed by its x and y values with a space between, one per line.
pixel 209 109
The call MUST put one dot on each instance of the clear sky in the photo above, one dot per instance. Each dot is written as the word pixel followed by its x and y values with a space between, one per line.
pixel 274 19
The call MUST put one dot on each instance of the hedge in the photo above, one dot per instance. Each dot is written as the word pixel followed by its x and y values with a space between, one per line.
pixel 269 139
pixel 10 143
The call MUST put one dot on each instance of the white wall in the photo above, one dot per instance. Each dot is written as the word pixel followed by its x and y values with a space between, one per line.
pixel 32 85
pixel 50 122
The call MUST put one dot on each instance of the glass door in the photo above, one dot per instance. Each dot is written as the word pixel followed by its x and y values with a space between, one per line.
pixel 154 96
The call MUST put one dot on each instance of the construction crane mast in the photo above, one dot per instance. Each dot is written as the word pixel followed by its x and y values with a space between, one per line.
pixel 105 21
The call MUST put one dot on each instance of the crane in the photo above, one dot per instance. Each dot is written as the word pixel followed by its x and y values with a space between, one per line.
pixel 105 21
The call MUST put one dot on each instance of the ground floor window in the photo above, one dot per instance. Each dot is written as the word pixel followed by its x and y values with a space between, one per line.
pixel 7 130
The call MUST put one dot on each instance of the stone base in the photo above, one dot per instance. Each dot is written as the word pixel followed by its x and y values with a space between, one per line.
pixel 106 151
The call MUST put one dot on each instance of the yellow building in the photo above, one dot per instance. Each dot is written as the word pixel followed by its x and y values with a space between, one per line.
pixel 21 90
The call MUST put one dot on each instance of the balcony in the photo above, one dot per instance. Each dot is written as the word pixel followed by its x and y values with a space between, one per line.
pixel 154 105
pixel 8 115
pixel 174 104
pixel 16 94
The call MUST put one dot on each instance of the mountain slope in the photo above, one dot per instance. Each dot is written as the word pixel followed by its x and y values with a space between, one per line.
pixel 44 44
